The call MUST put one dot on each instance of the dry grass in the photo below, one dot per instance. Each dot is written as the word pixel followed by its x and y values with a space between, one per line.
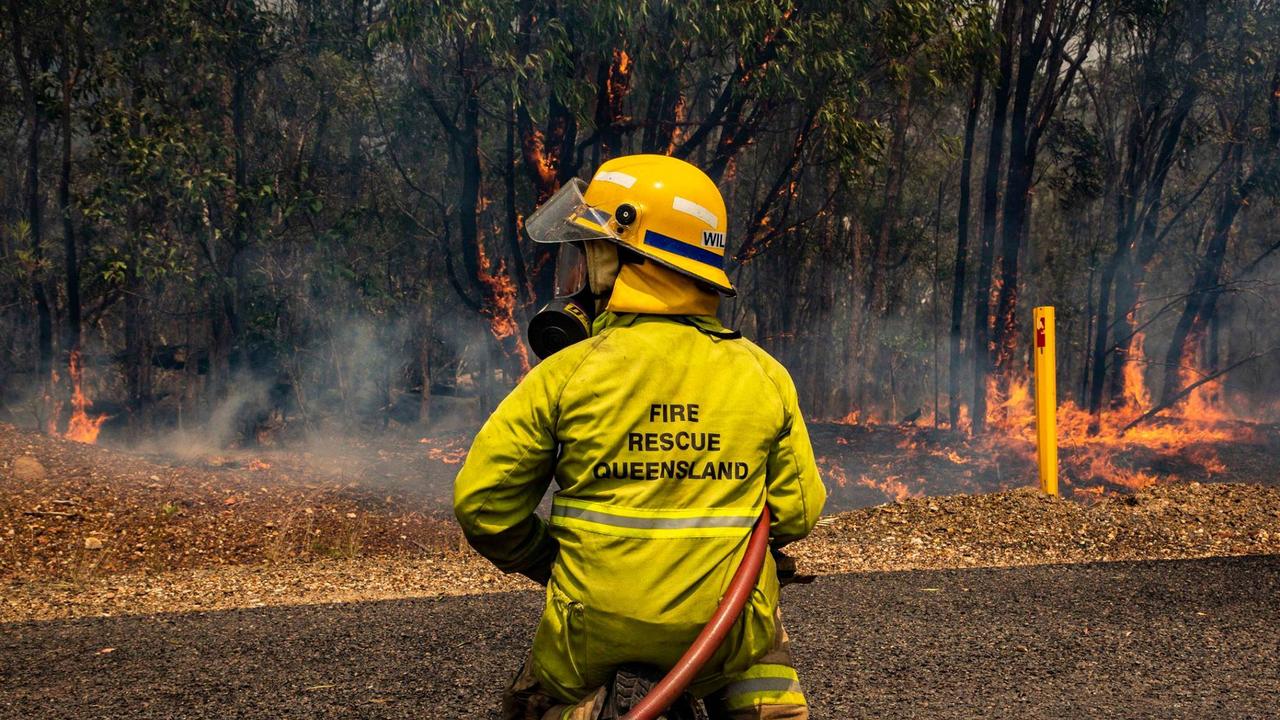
pixel 1008 528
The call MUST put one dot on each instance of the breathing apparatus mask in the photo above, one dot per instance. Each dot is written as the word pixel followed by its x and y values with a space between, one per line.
pixel 587 265
pixel 585 271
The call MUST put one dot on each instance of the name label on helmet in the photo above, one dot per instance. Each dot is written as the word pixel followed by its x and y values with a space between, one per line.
pixel 713 239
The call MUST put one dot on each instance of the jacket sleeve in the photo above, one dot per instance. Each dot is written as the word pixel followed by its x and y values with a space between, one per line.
pixel 795 490
pixel 507 471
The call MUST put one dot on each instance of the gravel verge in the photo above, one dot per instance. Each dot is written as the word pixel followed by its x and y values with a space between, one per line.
pixel 1181 639
pixel 1012 528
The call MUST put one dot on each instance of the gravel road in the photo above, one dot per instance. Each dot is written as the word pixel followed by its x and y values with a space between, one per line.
pixel 1174 639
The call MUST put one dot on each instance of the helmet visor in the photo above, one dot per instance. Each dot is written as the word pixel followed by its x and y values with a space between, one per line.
pixel 571 270
pixel 566 217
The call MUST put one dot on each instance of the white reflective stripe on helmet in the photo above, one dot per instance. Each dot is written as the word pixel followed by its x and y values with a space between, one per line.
pixel 617 178
pixel 689 207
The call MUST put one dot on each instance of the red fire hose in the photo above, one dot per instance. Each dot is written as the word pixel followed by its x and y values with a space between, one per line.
pixel 713 633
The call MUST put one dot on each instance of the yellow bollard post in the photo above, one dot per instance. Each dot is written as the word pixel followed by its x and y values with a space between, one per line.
pixel 1046 370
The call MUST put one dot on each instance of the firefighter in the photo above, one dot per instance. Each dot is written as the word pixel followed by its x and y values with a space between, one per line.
pixel 665 433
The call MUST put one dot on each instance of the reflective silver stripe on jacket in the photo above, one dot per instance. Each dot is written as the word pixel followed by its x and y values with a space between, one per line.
pixel 760 685
pixel 653 523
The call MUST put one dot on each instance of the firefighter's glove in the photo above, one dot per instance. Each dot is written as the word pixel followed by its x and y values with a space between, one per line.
pixel 787 574
pixel 543 559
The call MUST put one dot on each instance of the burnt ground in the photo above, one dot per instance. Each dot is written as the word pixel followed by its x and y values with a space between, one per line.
pixel 1173 639
pixel 77 512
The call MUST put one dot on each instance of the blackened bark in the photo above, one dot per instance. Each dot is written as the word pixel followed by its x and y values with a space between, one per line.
pixel 469 192
pixel 1156 144
pixel 23 61
pixel 1205 289
pixel 1024 138
pixel 990 211
pixel 511 217
pixel 962 249
pixel 882 250
pixel 663 105
pixel 613 83
pixel 1206 286
pixel 72 265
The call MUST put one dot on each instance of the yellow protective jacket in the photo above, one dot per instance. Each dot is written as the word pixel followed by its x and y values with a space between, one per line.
pixel 666 435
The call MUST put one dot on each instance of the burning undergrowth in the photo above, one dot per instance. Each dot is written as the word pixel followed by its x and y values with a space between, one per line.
pixel 73 510
pixel 1129 447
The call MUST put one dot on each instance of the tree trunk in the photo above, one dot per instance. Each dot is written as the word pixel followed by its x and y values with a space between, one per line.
pixel 1157 149
pixel 882 249
pixel 1023 148
pixel 613 83
pixel 35 203
pixel 962 250
pixel 137 345
pixel 990 213
pixel 1205 285
pixel 64 207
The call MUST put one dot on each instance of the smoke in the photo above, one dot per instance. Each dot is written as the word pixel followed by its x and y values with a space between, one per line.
pixel 223 426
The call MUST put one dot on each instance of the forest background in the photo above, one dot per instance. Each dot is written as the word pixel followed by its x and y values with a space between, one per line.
pixel 292 215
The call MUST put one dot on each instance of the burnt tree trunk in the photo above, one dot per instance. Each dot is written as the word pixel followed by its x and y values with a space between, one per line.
pixel 1162 143
pixel 990 214
pixel 962 250
pixel 613 83
pixel 1206 285
pixel 23 62
pixel 72 265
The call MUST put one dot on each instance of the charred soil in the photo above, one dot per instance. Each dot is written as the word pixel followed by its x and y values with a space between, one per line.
pixel 87 530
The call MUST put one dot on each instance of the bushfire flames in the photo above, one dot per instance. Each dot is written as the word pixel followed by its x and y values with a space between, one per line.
pixel 1092 448
pixel 501 306
pixel 451 452
pixel 80 427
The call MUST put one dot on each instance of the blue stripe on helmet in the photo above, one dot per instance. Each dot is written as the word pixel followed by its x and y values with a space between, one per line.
pixel 683 249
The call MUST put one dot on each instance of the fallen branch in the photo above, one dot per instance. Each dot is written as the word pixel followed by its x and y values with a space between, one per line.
pixel 1178 396
pixel 52 513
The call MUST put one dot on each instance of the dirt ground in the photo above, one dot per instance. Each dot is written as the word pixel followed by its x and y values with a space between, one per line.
pixel 330 581
pixel 89 530
pixel 1175 639
pixel 72 511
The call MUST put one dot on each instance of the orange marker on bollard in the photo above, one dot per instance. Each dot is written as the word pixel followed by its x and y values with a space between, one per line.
pixel 1046 370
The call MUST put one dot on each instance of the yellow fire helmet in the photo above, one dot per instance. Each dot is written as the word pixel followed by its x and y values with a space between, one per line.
pixel 662 208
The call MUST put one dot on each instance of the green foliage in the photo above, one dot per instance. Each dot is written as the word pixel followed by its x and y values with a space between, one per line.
pixel 294 170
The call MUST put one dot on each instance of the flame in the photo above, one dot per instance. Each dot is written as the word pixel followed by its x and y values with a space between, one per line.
pixel 80 427
pixel 1090 447
pixel 1098 454
pixel 834 471
pixel 1135 386
pixel 256 464
pixel 451 452
pixel 680 112
pixel 500 306
pixel 1205 402
pixel 892 486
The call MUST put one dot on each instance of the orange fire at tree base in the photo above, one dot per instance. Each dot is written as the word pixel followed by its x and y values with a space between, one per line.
pixel 80 427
